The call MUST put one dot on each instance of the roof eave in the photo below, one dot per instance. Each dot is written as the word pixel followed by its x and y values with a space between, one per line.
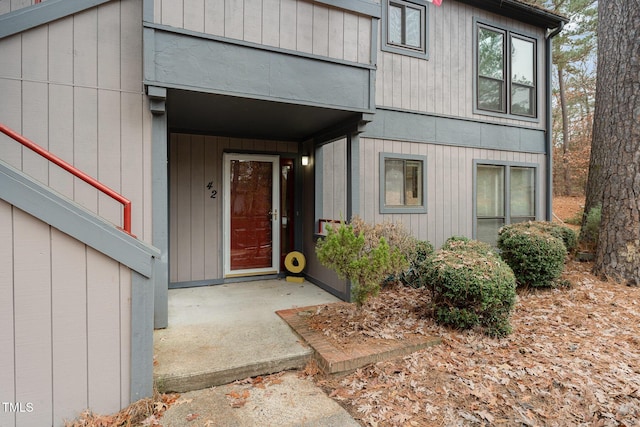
pixel 521 11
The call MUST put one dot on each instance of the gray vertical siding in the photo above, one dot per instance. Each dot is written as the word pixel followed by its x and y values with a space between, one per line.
pixel 334 180
pixel 66 310
pixel 450 185
pixel 312 200
pixel 7 6
pixel 195 219
pixel 7 337
pixel 288 24
pixel 74 87
pixel 443 84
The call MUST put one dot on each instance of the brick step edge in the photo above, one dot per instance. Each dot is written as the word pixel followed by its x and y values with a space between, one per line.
pixel 333 360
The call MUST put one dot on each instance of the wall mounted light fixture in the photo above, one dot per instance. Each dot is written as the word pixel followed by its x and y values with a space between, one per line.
pixel 305 160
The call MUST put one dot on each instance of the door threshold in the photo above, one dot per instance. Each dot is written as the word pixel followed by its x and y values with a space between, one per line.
pixel 260 273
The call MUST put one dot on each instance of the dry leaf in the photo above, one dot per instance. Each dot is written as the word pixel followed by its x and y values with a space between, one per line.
pixel 191 417
pixel 486 416
pixel 572 360
pixel 238 403
pixel 160 406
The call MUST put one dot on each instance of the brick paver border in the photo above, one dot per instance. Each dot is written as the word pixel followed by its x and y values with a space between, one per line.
pixel 334 360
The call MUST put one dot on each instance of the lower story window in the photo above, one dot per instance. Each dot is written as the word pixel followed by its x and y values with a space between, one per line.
pixel 402 181
pixel 505 194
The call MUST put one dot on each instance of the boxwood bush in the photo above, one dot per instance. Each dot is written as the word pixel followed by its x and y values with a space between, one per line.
pixel 568 236
pixel 420 255
pixel 464 244
pixel 472 287
pixel 535 255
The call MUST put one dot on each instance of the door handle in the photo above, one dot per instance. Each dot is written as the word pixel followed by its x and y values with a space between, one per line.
pixel 274 214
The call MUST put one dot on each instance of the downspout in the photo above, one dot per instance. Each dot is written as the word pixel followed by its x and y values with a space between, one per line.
pixel 549 123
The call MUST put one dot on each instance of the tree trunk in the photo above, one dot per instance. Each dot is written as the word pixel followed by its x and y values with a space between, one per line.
pixel 565 133
pixel 615 155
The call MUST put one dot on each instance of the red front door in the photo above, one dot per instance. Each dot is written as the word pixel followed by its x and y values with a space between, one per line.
pixel 251 214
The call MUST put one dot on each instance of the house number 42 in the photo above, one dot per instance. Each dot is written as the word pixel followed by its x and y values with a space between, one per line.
pixel 214 193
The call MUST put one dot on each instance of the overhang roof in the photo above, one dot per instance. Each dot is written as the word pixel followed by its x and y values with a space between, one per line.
pixel 222 115
pixel 520 10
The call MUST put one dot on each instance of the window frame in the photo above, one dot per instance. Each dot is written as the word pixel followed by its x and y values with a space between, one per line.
pixel 406 209
pixel 387 46
pixel 506 189
pixel 507 83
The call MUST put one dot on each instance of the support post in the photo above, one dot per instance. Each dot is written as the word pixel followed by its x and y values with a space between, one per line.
pixel 160 203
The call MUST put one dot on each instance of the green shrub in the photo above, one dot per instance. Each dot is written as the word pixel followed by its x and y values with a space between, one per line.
pixel 472 286
pixel 576 219
pixel 423 251
pixel 590 232
pixel 536 257
pixel 345 252
pixel 455 242
pixel 396 236
pixel 464 244
pixel 568 236
pixel 420 255
pixel 413 251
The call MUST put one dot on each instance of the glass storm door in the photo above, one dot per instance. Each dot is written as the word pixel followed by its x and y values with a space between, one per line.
pixel 251 219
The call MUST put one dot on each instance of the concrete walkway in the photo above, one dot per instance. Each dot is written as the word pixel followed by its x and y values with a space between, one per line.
pixel 220 334
pixel 289 402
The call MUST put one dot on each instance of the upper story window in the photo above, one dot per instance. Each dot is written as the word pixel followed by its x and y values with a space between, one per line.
pixel 402 183
pixel 405 27
pixel 506 72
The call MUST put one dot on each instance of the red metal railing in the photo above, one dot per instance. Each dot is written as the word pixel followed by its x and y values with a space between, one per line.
pixel 71 169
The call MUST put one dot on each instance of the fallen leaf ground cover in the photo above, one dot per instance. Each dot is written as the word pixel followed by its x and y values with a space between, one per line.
pixel 567 208
pixel 573 359
pixel 144 412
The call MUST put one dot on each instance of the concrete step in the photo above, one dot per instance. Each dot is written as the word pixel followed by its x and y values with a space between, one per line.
pixel 219 334
pixel 191 381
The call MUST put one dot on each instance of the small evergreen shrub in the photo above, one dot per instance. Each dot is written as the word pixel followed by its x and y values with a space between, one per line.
pixel 590 231
pixel 366 266
pixel 464 244
pixel 396 236
pixel 576 219
pixel 413 251
pixel 568 236
pixel 535 256
pixel 423 250
pixel 420 255
pixel 472 287
pixel 455 241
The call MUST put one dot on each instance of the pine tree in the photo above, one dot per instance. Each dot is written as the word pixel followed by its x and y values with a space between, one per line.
pixel 614 176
